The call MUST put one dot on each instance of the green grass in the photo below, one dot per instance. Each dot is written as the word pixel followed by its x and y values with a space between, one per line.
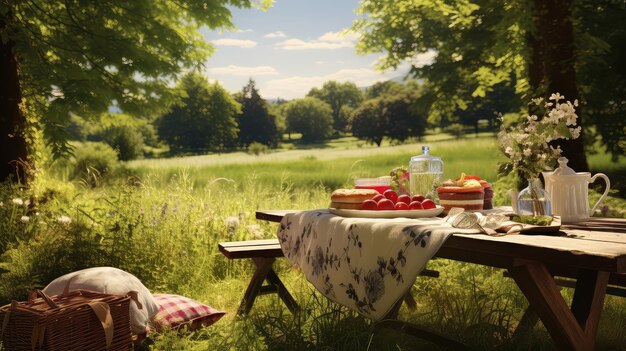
pixel 162 220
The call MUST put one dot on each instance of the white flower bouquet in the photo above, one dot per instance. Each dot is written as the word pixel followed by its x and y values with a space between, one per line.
pixel 526 143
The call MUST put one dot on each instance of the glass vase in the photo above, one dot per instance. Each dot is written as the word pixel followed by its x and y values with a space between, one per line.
pixel 533 200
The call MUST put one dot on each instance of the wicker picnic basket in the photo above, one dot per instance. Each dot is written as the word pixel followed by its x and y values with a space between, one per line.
pixel 77 320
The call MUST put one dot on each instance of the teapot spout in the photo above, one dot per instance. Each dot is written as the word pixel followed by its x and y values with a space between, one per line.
pixel 513 194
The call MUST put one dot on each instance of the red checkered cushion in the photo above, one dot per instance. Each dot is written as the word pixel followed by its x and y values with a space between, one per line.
pixel 176 311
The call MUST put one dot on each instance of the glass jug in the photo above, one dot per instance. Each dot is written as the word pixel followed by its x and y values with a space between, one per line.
pixel 425 174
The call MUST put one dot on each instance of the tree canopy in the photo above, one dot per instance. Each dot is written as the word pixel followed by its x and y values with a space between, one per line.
pixel 83 56
pixel 204 119
pixel 537 47
pixel 256 123
pixel 396 115
pixel 311 117
pixel 338 95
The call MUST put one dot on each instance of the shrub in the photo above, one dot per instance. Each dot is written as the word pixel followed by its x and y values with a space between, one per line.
pixel 127 141
pixel 456 129
pixel 257 148
pixel 93 160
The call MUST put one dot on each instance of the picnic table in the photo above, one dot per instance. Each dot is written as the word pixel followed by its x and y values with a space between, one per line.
pixel 592 252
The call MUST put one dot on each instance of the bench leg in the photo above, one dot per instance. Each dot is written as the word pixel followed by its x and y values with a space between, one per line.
pixel 263 266
pixel 282 291
pixel 264 272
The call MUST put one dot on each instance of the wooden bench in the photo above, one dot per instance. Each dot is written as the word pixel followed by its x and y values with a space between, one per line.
pixel 263 253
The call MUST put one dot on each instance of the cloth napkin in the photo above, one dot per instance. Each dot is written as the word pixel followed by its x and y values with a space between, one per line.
pixel 365 264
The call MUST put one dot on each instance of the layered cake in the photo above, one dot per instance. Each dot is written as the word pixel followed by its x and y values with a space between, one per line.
pixel 488 201
pixel 465 193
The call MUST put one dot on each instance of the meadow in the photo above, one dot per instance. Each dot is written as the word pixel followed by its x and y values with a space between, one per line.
pixel 162 219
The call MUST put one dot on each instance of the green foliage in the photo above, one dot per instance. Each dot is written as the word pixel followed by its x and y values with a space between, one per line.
pixel 601 34
pixel 338 95
pixel 395 115
pixel 92 161
pixel 368 122
pixel 204 120
pixel 309 116
pixel 82 56
pixel 256 123
pixel 456 129
pixel 127 141
pixel 257 148
pixel 383 88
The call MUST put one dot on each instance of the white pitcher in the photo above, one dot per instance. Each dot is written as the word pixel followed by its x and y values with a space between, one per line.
pixel 569 192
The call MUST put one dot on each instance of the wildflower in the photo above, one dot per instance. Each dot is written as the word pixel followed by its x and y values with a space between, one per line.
pixel 1 204
pixel 25 219
pixel 526 143
pixel 255 231
pixel 232 223
pixel 556 97
pixel 64 220
pixel 18 201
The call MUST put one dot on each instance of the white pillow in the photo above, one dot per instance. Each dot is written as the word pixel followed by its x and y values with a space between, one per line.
pixel 109 280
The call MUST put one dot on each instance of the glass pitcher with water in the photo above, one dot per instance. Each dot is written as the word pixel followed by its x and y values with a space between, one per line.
pixel 425 174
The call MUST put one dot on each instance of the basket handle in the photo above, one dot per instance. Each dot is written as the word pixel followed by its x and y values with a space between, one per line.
pixel 103 312
pixel 135 297
pixel 33 294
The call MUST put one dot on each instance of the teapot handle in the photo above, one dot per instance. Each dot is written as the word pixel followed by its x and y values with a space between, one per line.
pixel 606 191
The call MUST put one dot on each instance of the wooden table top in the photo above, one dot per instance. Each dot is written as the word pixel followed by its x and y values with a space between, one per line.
pixel 597 244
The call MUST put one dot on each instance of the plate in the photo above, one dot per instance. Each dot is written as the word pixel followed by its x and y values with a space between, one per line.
pixel 432 212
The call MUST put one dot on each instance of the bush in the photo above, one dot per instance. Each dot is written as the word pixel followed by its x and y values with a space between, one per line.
pixel 456 129
pixel 127 141
pixel 92 160
pixel 257 149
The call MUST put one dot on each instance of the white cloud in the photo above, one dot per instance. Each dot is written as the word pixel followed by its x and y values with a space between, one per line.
pixel 328 41
pixel 298 86
pixel 244 30
pixel 277 34
pixel 235 42
pixel 244 71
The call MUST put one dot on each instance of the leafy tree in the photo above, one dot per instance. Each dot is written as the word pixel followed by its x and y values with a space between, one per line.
pixel 338 95
pixel 311 117
pixel 127 141
pixel 394 115
pixel 369 123
pixel 382 88
pixel 82 56
pixel 479 45
pixel 204 119
pixel 256 123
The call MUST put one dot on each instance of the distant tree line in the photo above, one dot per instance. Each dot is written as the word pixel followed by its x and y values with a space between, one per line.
pixel 210 119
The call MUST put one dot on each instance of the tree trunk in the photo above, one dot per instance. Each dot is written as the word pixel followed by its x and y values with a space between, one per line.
pixel 13 146
pixel 552 66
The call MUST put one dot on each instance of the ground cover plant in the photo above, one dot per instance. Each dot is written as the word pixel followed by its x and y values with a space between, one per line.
pixel 162 220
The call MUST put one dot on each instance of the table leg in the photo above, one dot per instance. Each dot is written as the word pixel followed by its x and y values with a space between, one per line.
pixel 589 299
pixel 544 297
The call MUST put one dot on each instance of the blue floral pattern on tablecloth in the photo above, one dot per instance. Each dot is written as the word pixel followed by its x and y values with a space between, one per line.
pixel 366 264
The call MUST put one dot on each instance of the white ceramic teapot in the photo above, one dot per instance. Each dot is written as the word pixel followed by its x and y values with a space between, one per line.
pixel 569 192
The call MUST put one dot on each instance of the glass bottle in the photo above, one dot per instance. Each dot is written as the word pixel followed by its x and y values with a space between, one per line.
pixel 425 174
pixel 533 200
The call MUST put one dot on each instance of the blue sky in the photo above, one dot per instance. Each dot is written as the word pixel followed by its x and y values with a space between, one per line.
pixel 292 47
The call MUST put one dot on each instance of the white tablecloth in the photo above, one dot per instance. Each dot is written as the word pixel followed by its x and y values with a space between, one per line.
pixel 366 264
